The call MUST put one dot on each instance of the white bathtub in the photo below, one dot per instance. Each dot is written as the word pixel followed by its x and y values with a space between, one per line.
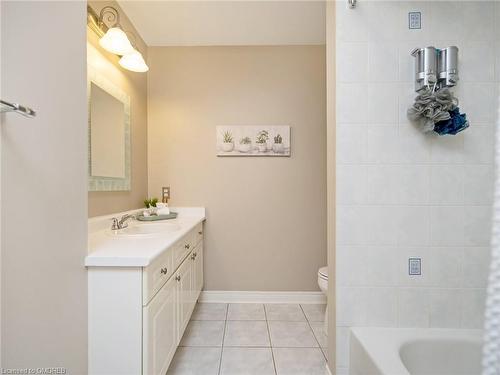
pixel 415 351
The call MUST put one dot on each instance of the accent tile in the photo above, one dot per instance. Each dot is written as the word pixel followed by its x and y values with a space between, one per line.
pixel 247 361
pixel 210 311
pixel 299 361
pixel 314 312
pixel 292 335
pixel 246 311
pixel 195 361
pixel 203 333
pixel 284 312
pixel 246 333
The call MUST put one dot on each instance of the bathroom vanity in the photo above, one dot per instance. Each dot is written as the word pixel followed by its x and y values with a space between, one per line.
pixel 143 283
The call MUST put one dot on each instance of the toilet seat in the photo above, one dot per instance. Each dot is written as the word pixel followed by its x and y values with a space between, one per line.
pixel 323 273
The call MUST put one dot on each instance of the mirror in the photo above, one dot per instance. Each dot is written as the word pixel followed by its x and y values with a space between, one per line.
pixel 109 135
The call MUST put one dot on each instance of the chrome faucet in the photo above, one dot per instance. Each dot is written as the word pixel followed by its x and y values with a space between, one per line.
pixel 122 222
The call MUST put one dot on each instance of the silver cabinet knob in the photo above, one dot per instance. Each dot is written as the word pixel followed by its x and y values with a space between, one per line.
pixel 178 277
pixel 193 257
pixel 200 232
pixel 164 271
pixel 187 246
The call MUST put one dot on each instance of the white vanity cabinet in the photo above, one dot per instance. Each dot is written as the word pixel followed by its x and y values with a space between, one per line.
pixel 137 315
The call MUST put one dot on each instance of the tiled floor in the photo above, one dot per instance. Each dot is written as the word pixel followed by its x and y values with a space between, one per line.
pixel 252 339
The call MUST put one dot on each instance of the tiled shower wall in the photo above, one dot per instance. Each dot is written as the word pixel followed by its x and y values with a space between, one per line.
pixel 402 193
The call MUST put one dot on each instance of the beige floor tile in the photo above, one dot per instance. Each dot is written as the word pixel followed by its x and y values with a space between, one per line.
pixel 247 361
pixel 291 335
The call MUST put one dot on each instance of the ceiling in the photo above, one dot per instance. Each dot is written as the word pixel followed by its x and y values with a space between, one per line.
pixel 209 23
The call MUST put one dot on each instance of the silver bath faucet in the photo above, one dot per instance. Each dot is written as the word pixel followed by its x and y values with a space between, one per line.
pixel 122 222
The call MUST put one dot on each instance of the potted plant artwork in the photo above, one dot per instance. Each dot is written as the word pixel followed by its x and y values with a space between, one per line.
pixel 261 140
pixel 227 141
pixel 245 144
pixel 278 146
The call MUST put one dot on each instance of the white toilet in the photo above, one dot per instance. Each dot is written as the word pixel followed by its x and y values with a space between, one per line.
pixel 323 285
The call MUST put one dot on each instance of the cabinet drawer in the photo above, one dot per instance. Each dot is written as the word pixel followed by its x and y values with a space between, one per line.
pixel 198 234
pixel 184 246
pixel 156 274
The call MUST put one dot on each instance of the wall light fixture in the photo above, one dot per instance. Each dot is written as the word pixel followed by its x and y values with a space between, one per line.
pixel 114 39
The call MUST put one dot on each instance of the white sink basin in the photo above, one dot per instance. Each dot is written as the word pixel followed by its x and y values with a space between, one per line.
pixel 149 229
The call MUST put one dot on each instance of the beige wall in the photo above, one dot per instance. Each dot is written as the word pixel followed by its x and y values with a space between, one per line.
pixel 266 226
pixel 134 84
pixel 44 195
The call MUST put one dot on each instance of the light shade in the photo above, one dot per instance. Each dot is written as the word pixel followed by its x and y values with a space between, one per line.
pixel 134 61
pixel 116 41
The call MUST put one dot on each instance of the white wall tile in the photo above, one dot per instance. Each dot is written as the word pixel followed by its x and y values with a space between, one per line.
pixel 351 184
pixel 381 225
pixel 382 304
pixel 351 265
pixel 447 149
pixel 478 101
pixel 413 307
pixel 352 225
pixel 413 185
pixel 382 184
pixel 480 20
pixel 342 339
pixel 413 226
pixel 444 308
pixel 382 144
pixel 478 184
pixel 383 62
pixel 382 103
pixel 446 266
pixel 404 278
pixel 406 63
pixel 406 98
pixel 479 144
pixel 477 225
pixel 447 226
pixel 446 184
pixel 476 265
pixel 454 21
pixel 352 62
pixel 415 35
pixel 350 26
pixel 477 62
pixel 414 147
pixel 473 305
pixel 351 144
pixel 380 266
pixel 426 196
pixel 351 306
pixel 497 59
pixel 351 103
pixel 388 29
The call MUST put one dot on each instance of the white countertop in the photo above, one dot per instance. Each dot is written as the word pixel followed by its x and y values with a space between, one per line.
pixel 108 250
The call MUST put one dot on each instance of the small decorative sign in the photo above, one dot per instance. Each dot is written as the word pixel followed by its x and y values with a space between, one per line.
pixel 253 140
pixel 415 266
pixel 414 20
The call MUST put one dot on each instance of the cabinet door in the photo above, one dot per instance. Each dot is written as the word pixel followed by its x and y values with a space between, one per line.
pixel 160 330
pixel 198 270
pixel 184 294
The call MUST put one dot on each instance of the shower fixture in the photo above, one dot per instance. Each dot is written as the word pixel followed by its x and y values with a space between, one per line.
pixel 435 68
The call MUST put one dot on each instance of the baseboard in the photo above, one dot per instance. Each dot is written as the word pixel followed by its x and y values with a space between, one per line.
pixel 229 296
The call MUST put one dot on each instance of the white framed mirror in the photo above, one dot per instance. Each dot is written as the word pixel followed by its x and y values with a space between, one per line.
pixel 108 135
